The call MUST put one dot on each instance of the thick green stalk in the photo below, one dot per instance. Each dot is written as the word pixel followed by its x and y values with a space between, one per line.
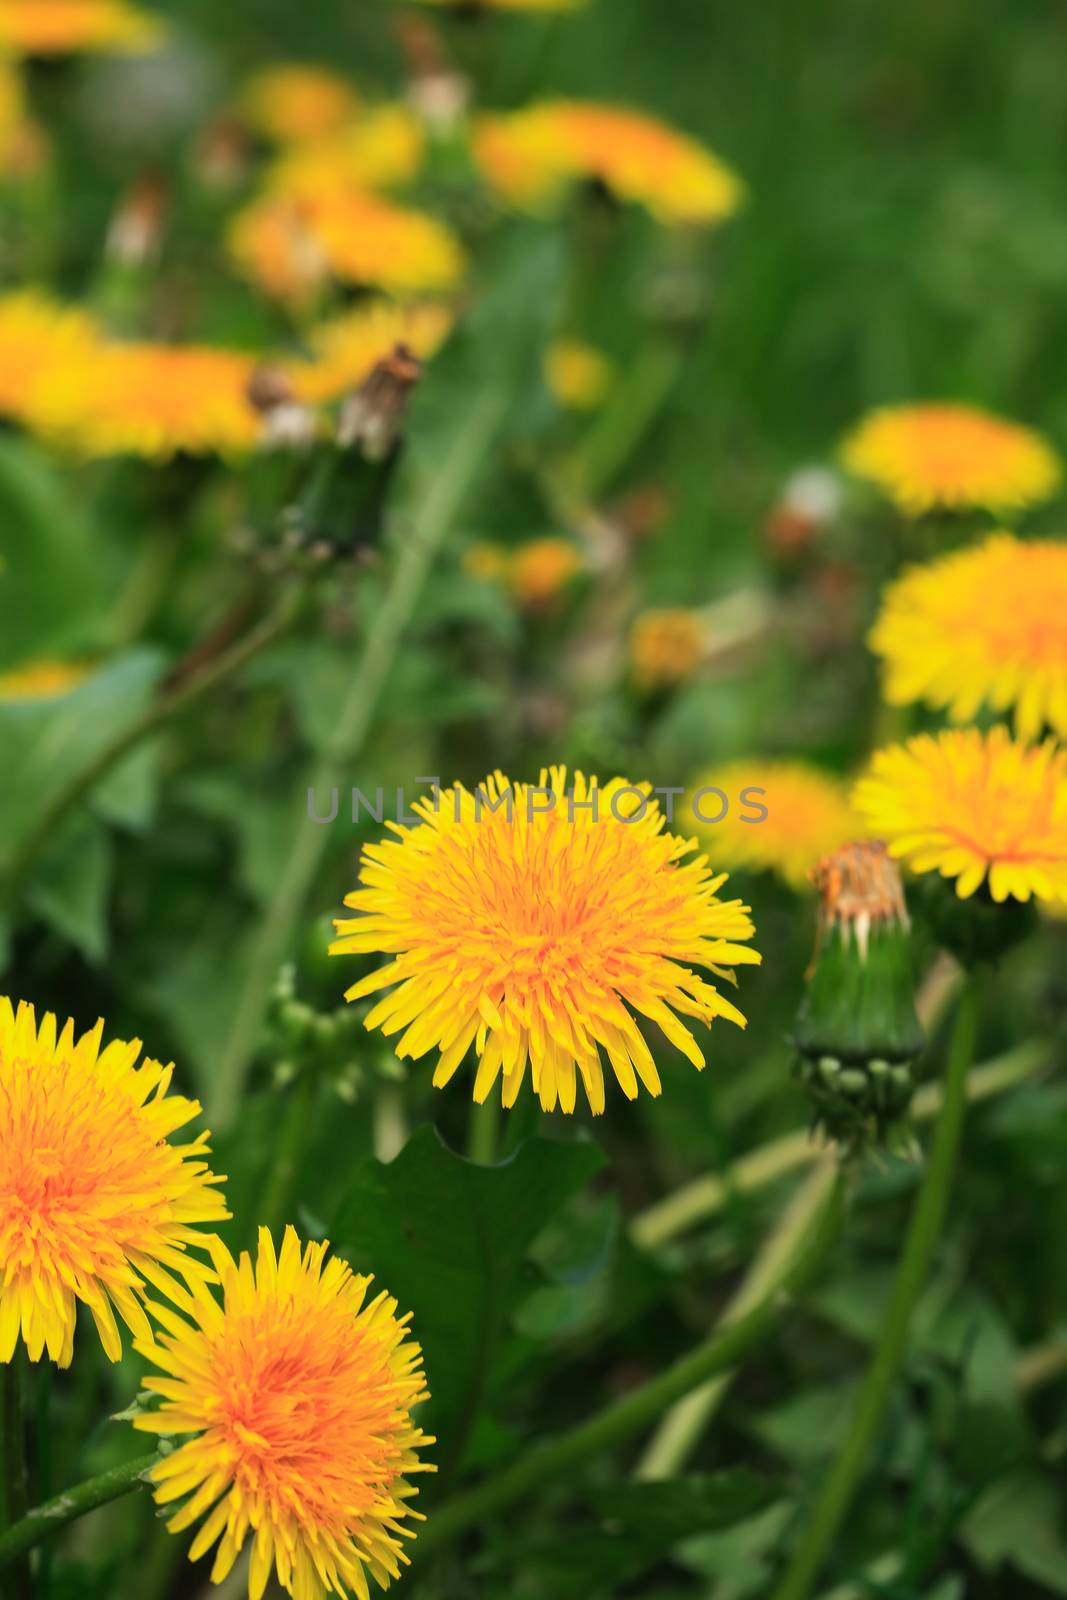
pixel 151 722
pixel 549 1463
pixel 842 1481
pixel 680 1430
pixel 308 846
pixel 705 1197
pixel 483 1132
pixel 17 1540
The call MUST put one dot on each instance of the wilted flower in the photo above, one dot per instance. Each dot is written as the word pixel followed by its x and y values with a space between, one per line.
pixel 971 806
pixel 61 27
pixel 533 922
pixel 982 625
pixel 95 1201
pixel 857 1030
pixel 136 229
pixel 293 102
pixel 778 816
pixel 372 417
pixel 298 1393
pixel 667 646
pixel 529 156
pixel 951 457
pixel 578 375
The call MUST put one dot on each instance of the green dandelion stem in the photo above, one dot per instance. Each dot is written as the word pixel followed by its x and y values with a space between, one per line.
pixel 719 1354
pixel 152 721
pixel 310 840
pixel 47 1518
pixel 842 1480
pixel 13 1475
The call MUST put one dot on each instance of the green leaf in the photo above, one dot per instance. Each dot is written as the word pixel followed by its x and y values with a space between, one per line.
pixel 70 885
pixel 638 1525
pixel 450 1240
pixel 1016 1524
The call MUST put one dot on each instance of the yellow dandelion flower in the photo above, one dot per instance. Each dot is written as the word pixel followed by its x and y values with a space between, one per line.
pixel 539 571
pixel 577 374
pixel 529 156
pixel 95 1201
pixel 982 625
pixel 381 148
pixel 344 351
pixel 155 400
pixel 42 346
pixel 534 922
pixel 971 806
pixel 298 1392
pixel 291 103
pixel 45 679
pixel 289 245
pixel 58 27
pixel 955 457
pixel 667 646
pixel 808 816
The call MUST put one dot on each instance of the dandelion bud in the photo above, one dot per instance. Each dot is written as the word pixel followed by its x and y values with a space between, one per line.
pixel 136 230
pixel 287 422
pixel 857 1031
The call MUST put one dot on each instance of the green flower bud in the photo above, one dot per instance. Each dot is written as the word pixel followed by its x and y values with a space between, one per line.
pixel 857 1031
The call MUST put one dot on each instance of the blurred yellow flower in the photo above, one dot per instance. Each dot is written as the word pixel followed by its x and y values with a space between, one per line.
pixel 291 103
pixel 808 816
pixel 94 1199
pixel 298 1393
pixel 535 931
pixel 156 400
pixel 577 374
pixel 345 350
pixel 983 625
pixel 539 570
pixel 529 156
pixel 486 560
pixel 42 679
pixel 972 805
pixel 666 646
pixel 57 27
pixel 951 457
pixel 42 345
pixel 289 244
pixel 382 147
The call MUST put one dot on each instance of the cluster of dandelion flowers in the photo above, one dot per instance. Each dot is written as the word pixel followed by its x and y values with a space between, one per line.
pixel 772 816
pixel 95 1202
pixel 529 156
pixel 538 924
pixel 297 1391
pixel 985 625
pixel 951 457
pixel 975 807
pixel 61 27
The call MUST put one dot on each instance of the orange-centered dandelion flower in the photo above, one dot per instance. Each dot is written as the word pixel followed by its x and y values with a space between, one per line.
pixel 667 646
pixel 58 27
pixel 529 156
pixel 971 806
pixel 298 1392
pixel 43 347
pixel 95 1201
pixel 982 625
pixel 952 457
pixel 538 923
pixel 807 816
pixel 291 103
